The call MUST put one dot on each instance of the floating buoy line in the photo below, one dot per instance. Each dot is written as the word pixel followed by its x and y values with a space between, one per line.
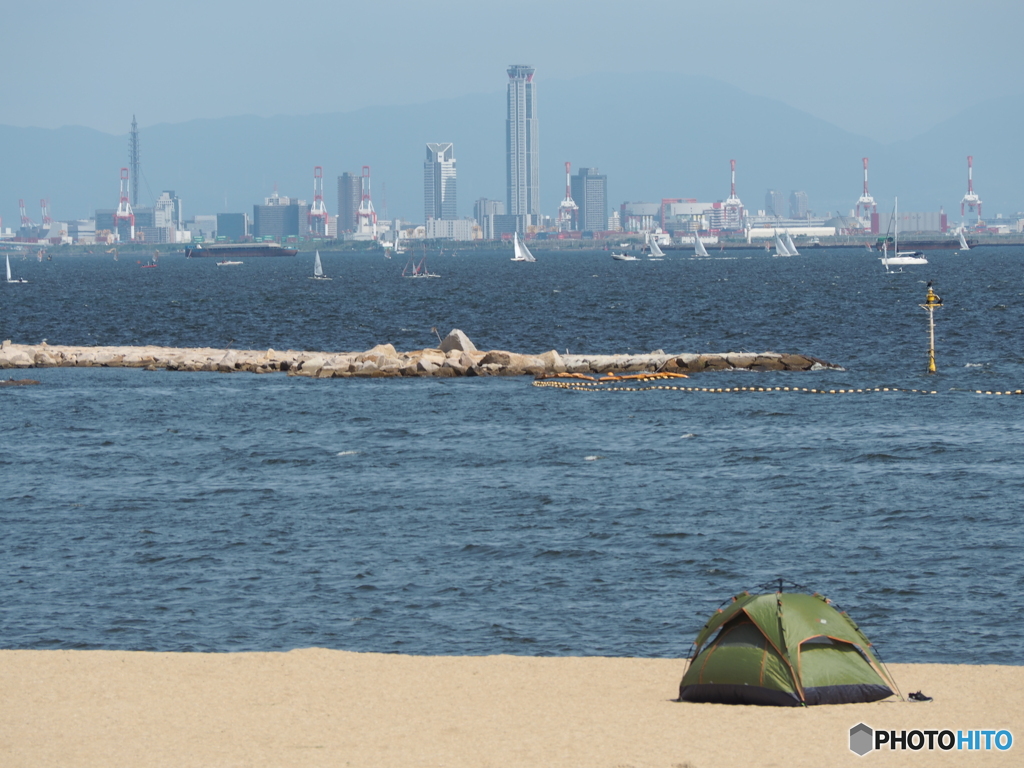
pixel 645 382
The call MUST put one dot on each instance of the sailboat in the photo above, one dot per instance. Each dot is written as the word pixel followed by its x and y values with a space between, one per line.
pixel 780 247
pixel 963 241
pixel 318 269
pixel 901 258
pixel 418 270
pixel 656 252
pixel 11 279
pixel 698 246
pixel 790 247
pixel 522 253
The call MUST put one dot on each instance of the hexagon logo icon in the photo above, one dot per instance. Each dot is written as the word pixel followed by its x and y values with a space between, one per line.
pixel 862 739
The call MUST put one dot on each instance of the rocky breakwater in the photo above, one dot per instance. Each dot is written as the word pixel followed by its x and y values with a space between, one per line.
pixel 456 356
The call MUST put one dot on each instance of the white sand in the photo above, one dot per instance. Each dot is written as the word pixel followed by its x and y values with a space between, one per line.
pixel 318 707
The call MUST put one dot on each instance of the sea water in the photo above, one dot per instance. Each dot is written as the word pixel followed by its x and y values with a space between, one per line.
pixel 220 512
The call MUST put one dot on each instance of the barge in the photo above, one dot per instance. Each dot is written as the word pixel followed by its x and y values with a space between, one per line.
pixel 237 250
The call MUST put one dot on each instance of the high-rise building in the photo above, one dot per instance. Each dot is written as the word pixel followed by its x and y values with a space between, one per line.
pixel 232 226
pixel 590 191
pixel 167 210
pixel 521 144
pixel 773 204
pixel 798 205
pixel 280 218
pixel 439 183
pixel 484 211
pixel 349 194
pixel 162 222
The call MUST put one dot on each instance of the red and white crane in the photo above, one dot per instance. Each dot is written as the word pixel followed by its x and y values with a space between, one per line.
pixel 568 211
pixel 866 203
pixel 318 211
pixel 44 206
pixel 733 206
pixel 366 217
pixel 25 220
pixel 971 200
pixel 124 208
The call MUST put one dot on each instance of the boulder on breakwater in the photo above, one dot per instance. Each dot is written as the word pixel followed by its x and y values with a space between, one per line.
pixel 456 356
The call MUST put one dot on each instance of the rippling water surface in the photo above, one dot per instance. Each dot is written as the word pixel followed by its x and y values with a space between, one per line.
pixel 199 511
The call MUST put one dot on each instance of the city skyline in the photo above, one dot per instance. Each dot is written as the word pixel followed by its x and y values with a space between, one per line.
pixel 787 150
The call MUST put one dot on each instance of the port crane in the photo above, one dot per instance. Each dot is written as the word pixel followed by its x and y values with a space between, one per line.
pixel 568 211
pixel 866 203
pixel 318 211
pixel 971 200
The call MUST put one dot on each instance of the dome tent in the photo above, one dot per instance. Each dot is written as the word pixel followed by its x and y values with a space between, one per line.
pixel 783 649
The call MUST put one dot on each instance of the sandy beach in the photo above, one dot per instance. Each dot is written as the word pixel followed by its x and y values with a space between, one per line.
pixel 317 707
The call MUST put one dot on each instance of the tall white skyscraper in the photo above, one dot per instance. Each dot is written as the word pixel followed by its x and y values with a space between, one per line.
pixel 439 183
pixel 521 144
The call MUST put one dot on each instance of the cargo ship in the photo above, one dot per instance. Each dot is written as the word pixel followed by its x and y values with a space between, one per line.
pixel 237 250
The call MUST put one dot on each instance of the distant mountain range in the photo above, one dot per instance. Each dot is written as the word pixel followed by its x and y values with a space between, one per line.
pixel 654 135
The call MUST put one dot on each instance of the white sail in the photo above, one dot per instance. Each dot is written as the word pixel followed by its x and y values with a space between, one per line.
pixel 780 247
pixel 790 247
pixel 896 225
pixel 318 269
pixel 899 258
pixel 11 279
pixel 656 252
pixel 522 253
pixel 963 241
pixel 698 246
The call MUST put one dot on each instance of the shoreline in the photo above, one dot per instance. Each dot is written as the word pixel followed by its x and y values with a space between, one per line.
pixel 456 356
pixel 318 707
pixel 504 248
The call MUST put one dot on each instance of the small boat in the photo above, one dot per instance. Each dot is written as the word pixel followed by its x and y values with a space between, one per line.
pixel 152 261
pixel 656 253
pixel 418 270
pixel 698 246
pixel 521 252
pixel 227 263
pixel 318 269
pixel 901 258
pixel 11 279
pixel 624 257
pixel 963 241
pixel 790 247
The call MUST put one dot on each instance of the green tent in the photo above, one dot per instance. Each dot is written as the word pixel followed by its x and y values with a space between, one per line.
pixel 783 649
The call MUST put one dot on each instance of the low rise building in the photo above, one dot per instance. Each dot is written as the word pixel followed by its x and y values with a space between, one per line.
pixel 451 229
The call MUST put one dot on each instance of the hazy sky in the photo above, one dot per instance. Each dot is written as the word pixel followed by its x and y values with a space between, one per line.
pixel 887 69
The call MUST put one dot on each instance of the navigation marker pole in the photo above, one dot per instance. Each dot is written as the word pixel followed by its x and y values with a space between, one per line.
pixel 932 301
